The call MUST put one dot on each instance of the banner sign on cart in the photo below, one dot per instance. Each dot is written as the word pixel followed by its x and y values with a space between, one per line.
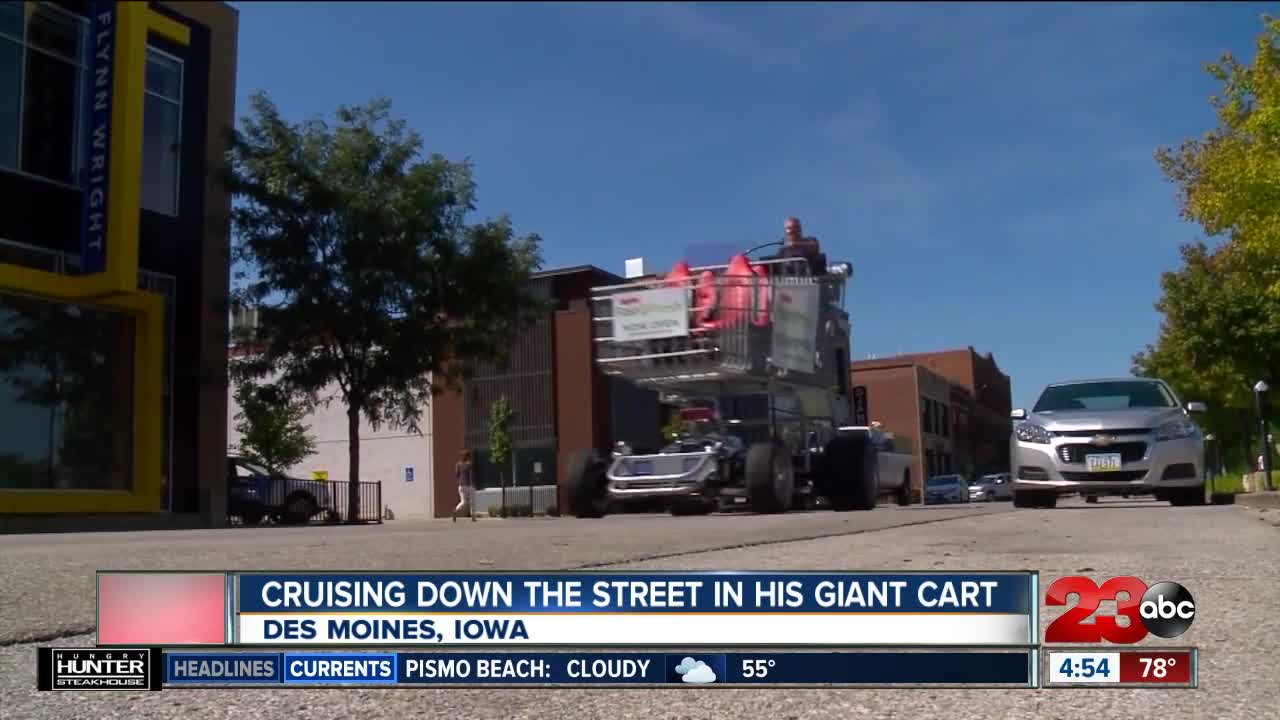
pixel 650 314
pixel 795 327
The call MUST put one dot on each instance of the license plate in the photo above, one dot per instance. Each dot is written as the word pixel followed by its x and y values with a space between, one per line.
pixel 1110 462
pixel 642 467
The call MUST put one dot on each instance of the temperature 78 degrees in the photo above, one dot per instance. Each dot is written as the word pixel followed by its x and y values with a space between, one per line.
pixel 1156 667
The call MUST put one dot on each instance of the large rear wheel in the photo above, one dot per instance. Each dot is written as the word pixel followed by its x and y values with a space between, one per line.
pixel 770 478
pixel 849 470
pixel 586 485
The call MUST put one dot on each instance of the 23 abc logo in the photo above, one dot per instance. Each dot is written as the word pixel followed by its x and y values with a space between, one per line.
pixel 1165 609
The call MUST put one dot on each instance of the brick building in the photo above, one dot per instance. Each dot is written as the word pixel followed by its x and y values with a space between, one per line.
pixel 954 406
pixel 562 402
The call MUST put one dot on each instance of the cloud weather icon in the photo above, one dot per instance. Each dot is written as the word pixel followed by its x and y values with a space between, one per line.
pixel 695 671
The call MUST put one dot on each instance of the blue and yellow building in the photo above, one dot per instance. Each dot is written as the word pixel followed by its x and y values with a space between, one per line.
pixel 114 262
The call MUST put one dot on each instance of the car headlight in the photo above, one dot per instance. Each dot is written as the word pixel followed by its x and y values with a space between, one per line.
pixel 620 469
pixel 1176 430
pixel 1029 433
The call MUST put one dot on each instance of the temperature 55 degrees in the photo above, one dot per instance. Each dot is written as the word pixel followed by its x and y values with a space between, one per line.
pixel 757 668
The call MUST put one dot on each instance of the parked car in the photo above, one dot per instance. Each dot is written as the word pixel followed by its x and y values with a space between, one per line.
pixel 1125 436
pixel 989 488
pixel 941 489
pixel 255 493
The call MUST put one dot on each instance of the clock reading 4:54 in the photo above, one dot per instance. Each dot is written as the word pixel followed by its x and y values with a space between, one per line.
pixel 1078 667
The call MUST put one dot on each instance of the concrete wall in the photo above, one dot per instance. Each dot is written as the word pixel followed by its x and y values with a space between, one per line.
pixel 384 456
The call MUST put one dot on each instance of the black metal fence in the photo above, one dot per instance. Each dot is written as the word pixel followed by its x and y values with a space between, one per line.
pixel 370 510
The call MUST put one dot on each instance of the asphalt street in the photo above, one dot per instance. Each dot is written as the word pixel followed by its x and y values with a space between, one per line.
pixel 1228 557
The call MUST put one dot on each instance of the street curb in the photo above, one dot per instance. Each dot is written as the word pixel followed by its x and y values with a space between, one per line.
pixel 1269 499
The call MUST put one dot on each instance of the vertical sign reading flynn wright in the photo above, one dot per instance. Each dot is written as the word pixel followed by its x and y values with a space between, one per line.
pixel 97 143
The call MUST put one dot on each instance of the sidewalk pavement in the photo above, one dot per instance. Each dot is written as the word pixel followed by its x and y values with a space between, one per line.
pixel 1264 499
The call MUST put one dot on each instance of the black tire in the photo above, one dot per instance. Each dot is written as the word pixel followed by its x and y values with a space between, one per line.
pixel 586 485
pixel 849 474
pixel 253 516
pixel 299 507
pixel 903 495
pixel 770 479
pixel 1186 497
pixel 1035 499
pixel 1091 499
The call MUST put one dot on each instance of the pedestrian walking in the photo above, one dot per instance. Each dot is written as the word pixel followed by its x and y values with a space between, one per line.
pixel 463 473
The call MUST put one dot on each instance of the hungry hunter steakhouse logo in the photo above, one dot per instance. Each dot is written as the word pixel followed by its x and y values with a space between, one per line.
pixel 96 669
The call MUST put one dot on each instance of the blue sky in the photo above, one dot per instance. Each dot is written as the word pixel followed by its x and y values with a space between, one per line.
pixel 987 168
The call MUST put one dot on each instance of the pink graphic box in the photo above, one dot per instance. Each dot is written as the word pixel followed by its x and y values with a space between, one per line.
pixel 162 609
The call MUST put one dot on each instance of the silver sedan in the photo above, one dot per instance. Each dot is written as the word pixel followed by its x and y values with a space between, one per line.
pixel 1129 436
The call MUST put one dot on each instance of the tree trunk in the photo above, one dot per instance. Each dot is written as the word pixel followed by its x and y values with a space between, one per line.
pixel 353 473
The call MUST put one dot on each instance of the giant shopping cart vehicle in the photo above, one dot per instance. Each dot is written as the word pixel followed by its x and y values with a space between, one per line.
pixel 755 356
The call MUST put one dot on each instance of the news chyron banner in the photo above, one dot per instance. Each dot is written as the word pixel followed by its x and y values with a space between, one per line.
pixel 569 609
pixel 724 609
pixel 569 628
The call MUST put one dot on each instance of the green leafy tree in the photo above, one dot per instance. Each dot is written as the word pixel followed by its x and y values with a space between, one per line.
pixel 363 265
pixel 500 415
pixel 1229 180
pixel 271 426
pixel 1221 326
pixel 1217 338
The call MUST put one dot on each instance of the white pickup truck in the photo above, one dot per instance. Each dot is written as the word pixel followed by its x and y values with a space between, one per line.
pixel 893 458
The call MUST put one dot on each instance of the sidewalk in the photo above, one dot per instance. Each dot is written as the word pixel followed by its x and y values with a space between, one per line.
pixel 1264 499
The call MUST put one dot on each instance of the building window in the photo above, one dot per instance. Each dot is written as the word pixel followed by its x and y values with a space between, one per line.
pixel 42 73
pixel 66 395
pixel 43 102
pixel 944 424
pixel 162 133
pixel 926 415
pixel 66 264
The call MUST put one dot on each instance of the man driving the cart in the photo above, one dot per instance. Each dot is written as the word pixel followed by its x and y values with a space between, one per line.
pixel 797 245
